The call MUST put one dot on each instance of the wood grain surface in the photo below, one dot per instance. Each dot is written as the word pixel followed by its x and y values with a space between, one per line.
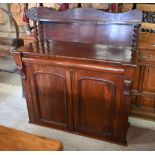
pixel 14 140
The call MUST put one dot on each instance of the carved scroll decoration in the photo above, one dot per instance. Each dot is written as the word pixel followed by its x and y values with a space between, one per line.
pixel 19 64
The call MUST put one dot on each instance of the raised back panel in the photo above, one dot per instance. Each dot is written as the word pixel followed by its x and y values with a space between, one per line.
pixel 87 15
pixel 87 26
pixel 107 34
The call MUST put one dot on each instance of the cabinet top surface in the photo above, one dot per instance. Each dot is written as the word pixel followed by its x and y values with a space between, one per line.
pixel 80 51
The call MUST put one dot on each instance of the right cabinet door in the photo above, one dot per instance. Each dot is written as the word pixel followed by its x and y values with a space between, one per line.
pixel 97 104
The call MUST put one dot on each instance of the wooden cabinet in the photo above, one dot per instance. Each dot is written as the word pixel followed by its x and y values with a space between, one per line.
pixel 80 80
pixel 143 101
pixel 86 101
pixel 77 96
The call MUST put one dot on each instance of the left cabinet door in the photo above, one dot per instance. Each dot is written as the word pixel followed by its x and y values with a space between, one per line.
pixel 50 91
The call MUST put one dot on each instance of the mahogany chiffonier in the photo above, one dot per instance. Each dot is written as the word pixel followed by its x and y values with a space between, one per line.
pixel 78 74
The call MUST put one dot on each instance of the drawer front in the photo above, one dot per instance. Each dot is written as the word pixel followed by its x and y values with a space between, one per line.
pixel 147 56
pixel 149 101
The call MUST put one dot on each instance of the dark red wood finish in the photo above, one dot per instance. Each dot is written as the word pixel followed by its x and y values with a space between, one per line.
pixel 87 15
pixel 85 95
pixel 86 26
pixel 85 33
pixel 81 86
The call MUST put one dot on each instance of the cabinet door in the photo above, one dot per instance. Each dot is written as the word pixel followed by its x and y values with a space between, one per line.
pixel 51 100
pixel 149 82
pixel 149 87
pixel 97 104
pixel 148 101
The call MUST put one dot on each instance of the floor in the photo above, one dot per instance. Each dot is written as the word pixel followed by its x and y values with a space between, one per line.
pixel 13 113
pixel 7 63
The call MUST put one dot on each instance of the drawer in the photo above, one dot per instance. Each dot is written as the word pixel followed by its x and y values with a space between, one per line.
pixel 148 101
pixel 147 56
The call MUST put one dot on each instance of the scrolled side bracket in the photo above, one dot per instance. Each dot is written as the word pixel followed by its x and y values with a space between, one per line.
pixel 127 87
pixel 18 59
